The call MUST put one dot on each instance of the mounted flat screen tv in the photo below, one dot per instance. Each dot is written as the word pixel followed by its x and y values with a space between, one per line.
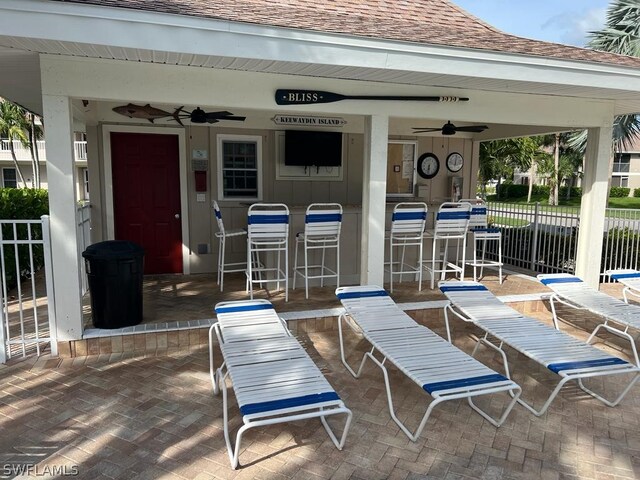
pixel 312 148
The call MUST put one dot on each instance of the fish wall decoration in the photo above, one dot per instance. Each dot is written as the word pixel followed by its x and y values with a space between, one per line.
pixel 146 112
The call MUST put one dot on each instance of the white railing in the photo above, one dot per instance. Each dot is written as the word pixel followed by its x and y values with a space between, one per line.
pixel 23 153
pixel 622 240
pixel 27 316
pixel 544 239
pixel 25 328
pixel 83 216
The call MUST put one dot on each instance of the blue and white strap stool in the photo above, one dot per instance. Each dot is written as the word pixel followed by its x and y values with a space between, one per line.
pixel 452 222
pixel 482 233
pixel 322 224
pixel 222 234
pixel 407 230
pixel 268 232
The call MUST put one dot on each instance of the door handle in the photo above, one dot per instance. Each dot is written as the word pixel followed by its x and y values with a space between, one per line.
pixel 177 216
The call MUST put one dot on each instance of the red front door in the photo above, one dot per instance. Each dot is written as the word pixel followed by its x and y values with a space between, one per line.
pixel 146 197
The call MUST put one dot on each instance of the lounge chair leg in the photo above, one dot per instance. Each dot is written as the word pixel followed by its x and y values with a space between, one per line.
pixel 446 322
pixel 339 444
pixel 552 299
pixel 342 318
pixel 620 333
pixel 505 414
pixel 213 373
pixel 609 403
pixel 233 454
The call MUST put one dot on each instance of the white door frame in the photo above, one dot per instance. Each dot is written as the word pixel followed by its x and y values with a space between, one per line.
pixel 182 160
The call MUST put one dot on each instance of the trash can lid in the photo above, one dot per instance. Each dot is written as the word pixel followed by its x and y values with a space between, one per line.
pixel 113 249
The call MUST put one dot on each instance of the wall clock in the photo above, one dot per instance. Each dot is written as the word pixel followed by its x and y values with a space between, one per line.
pixel 455 161
pixel 428 165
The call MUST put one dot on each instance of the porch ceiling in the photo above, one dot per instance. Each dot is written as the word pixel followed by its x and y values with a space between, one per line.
pixel 19 57
pixel 106 33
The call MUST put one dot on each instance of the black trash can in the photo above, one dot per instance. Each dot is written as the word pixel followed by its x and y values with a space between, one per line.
pixel 115 270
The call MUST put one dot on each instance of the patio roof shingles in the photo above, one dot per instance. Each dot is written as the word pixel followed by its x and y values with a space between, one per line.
pixel 429 22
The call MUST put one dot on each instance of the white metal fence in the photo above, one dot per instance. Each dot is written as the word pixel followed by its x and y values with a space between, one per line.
pixel 27 319
pixel 27 316
pixel 543 239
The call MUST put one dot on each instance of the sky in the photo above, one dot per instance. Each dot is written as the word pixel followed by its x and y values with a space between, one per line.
pixel 560 21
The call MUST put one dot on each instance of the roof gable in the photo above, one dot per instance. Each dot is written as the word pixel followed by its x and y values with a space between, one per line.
pixel 432 22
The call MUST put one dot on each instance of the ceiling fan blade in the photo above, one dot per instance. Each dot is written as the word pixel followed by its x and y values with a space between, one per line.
pixel 472 128
pixel 218 114
pixel 424 130
pixel 223 116
pixel 212 120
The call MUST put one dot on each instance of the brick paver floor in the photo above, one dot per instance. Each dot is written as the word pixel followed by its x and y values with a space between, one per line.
pixel 122 416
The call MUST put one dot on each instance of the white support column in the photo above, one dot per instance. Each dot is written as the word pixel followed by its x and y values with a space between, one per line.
pixel 594 202
pixel 62 209
pixel 374 192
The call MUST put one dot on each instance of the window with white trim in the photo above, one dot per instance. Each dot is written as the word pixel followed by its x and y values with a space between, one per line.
pixel 9 178
pixel 239 167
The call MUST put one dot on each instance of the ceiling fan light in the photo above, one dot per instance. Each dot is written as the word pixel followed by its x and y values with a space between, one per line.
pixel 448 129
pixel 198 116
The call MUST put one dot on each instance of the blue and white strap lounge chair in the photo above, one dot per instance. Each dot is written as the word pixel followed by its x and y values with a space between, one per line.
pixel 273 378
pixel 629 278
pixel 573 292
pixel 439 368
pixel 567 356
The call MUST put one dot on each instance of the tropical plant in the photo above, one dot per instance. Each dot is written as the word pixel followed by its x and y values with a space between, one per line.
pixel 500 158
pixel 565 164
pixel 621 34
pixel 35 133
pixel 12 128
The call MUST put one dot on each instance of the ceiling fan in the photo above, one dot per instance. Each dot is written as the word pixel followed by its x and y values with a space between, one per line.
pixel 200 116
pixel 450 129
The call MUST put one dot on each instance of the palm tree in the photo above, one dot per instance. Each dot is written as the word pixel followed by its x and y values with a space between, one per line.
pixel 12 128
pixel 35 134
pixel 621 34
pixel 499 159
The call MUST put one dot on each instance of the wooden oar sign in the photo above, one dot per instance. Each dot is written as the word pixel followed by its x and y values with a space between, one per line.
pixel 310 97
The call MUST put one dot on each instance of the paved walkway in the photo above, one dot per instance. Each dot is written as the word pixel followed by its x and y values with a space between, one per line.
pixel 123 417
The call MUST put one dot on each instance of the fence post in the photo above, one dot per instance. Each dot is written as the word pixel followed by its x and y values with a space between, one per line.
pixel 3 330
pixel 534 242
pixel 51 296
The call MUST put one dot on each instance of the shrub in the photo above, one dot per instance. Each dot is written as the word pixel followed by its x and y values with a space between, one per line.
pixel 619 192
pixel 636 192
pixel 22 204
pixel 574 192
pixel 510 190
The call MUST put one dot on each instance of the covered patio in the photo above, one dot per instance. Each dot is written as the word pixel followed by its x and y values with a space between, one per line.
pixel 137 403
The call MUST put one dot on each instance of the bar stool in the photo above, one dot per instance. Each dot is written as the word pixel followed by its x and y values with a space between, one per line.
pixel 322 223
pixel 482 233
pixel 222 234
pixel 452 222
pixel 407 230
pixel 268 232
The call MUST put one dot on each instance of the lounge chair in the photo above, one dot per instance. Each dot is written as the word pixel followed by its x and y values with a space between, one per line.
pixel 442 370
pixel 629 278
pixel 273 378
pixel 573 292
pixel 567 356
